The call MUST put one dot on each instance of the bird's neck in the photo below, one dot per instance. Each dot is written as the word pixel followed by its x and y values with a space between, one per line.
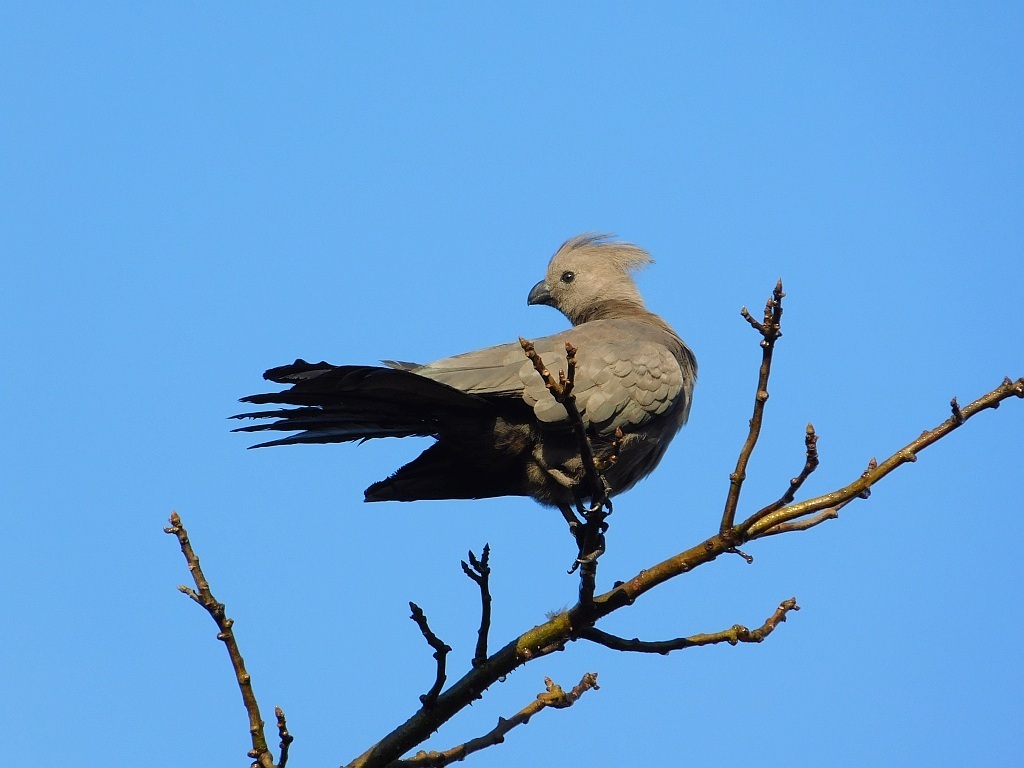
pixel 615 309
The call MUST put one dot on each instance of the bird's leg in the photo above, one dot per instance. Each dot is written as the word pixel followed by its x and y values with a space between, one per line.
pixel 582 510
pixel 591 548
pixel 604 507
pixel 576 528
pixel 593 545
pixel 595 526
pixel 590 532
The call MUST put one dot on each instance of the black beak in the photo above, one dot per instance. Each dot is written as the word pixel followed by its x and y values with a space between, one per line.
pixel 540 294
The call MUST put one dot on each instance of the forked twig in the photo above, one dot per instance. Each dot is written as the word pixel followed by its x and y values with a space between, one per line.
pixel 735 634
pixel 810 464
pixel 861 487
pixel 562 390
pixel 770 330
pixel 554 696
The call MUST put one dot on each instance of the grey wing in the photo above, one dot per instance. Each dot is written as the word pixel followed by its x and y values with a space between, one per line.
pixel 621 382
pixel 618 384
pixel 489 371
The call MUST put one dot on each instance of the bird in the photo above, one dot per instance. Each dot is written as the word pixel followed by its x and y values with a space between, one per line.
pixel 498 430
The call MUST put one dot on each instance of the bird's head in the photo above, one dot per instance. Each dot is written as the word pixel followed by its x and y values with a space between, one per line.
pixel 588 272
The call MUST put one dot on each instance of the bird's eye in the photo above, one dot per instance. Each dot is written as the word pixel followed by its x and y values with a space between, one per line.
pixel 568 277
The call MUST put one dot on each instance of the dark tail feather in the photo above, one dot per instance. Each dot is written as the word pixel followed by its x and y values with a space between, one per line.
pixel 443 472
pixel 345 403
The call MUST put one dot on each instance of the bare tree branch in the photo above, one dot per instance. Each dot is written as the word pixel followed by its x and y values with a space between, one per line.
pixel 735 634
pixel 629 591
pixel 480 572
pixel 574 623
pixel 579 622
pixel 756 527
pixel 204 596
pixel 441 651
pixel 553 697
pixel 770 330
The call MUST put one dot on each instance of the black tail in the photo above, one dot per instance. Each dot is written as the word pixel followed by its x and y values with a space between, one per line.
pixel 357 402
pixel 445 471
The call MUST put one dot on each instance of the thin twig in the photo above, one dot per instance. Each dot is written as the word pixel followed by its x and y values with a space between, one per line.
pixel 554 387
pixel 597 483
pixel 735 634
pixel 802 524
pixel 562 390
pixel 770 330
pixel 204 597
pixel 480 572
pixel 876 471
pixel 286 737
pixel 616 448
pixel 441 651
pixel 554 696
pixel 600 506
pixel 737 551
pixel 810 464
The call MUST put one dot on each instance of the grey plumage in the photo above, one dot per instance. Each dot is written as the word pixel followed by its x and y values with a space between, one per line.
pixel 499 431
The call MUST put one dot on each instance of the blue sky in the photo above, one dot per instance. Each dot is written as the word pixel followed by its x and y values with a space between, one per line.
pixel 192 193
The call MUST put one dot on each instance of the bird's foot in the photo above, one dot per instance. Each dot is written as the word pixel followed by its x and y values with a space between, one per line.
pixel 587 529
pixel 591 542
pixel 594 552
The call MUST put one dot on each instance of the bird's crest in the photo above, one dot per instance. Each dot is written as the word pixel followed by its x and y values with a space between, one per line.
pixel 626 256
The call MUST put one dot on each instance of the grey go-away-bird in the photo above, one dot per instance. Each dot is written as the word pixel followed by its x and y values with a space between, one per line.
pixel 499 431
